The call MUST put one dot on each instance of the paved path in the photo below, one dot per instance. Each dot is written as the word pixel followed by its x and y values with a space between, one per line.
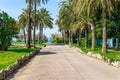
pixel 58 62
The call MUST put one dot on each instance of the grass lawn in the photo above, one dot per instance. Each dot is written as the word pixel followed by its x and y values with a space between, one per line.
pixel 9 57
pixel 22 44
pixel 16 51
pixel 111 54
pixel 40 45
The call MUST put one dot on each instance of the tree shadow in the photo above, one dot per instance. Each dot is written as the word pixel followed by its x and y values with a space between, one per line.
pixel 56 44
pixel 46 53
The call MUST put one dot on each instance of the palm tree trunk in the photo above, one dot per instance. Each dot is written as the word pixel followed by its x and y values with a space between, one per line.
pixel 79 37
pixel 93 36
pixel 104 45
pixel 31 37
pixel 34 23
pixel 86 38
pixel 71 40
pixel 29 27
pixel 40 34
pixel 24 35
pixel 63 36
pixel 69 37
pixel 117 43
pixel 66 39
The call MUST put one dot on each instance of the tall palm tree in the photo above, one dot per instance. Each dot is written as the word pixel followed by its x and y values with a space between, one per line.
pixel 106 6
pixel 35 2
pixel 85 16
pixel 44 20
pixel 28 43
pixel 78 27
pixel 62 28
pixel 34 23
pixel 23 23
pixel 23 20
pixel 116 14
pixel 66 17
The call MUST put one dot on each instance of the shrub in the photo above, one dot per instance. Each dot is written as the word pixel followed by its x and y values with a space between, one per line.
pixel 7 30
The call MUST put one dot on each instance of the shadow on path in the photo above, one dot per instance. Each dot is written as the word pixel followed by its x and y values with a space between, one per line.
pixel 46 53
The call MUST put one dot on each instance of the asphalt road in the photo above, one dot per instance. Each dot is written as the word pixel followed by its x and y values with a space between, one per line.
pixel 59 62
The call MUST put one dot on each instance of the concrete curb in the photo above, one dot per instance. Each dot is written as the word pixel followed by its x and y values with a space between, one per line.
pixel 100 57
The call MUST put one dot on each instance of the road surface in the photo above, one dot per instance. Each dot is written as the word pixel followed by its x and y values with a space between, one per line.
pixel 59 62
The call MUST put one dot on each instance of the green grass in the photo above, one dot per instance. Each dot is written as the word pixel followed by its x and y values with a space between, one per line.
pixel 111 54
pixel 22 44
pixel 40 45
pixel 16 51
pixel 18 43
pixel 9 57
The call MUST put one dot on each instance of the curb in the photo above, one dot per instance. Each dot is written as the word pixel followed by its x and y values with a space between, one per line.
pixel 99 57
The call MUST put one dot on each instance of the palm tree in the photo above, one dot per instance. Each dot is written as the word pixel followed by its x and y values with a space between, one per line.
pixel 34 23
pixel 106 6
pixel 61 27
pixel 78 27
pixel 44 20
pixel 85 16
pixel 66 17
pixel 28 43
pixel 116 14
pixel 23 23
pixel 35 2
pixel 23 20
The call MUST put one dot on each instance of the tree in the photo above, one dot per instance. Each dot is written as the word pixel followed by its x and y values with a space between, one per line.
pixel 44 20
pixel 116 19
pixel 35 2
pixel 66 18
pixel 106 6
pixel 28 43
pixel 23 23
pixel 8 29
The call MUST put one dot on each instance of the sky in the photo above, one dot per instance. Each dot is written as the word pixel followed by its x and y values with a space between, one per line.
pixel 14 9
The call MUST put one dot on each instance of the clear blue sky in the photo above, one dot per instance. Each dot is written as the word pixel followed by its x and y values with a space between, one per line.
pixel 14 9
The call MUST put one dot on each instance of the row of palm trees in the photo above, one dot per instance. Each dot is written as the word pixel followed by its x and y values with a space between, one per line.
pixel 33 17
pixel 78 15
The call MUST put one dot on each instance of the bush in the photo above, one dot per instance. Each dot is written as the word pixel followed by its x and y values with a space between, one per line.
pixel 7 30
